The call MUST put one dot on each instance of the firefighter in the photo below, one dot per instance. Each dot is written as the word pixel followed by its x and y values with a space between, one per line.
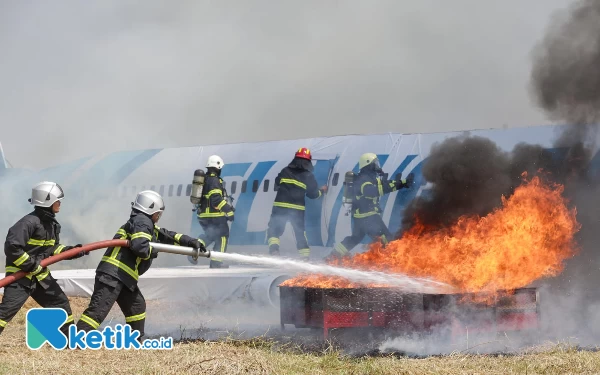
pixel 118 272
pixel 215 212
pixel 295 182
pixel 369 186
pixel 32 239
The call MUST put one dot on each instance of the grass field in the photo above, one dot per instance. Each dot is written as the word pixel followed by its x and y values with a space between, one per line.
pixel 263 357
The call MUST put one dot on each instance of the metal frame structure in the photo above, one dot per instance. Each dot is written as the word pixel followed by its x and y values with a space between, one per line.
pixel 393 310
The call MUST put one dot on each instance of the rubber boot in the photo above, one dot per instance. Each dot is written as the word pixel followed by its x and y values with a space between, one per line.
pixel 333 256
pixel 139 326
pixel 274 252
pixel 65 330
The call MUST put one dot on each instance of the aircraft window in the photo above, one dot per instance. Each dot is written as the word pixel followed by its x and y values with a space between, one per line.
pixel 161 191
pixel 233 186
pixel 336 177
pixel 188 190
pixel 254 186
pixel 153 187
pixel 266 186
pixel 179 188
pixel 244 184
pixel 170 190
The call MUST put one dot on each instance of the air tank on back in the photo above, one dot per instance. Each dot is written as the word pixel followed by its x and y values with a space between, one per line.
pixel 348 187
pixel 197 185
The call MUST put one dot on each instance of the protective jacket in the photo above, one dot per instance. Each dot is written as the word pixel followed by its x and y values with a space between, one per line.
pixel 32 239
pixel 294 182
pixel 369 186
pixel 128 264
pixel 213 203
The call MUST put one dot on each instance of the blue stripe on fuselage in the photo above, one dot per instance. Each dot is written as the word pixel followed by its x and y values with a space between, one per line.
pixel 314 207
pixel 244 204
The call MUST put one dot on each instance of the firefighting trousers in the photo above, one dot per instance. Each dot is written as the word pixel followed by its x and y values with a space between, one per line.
pixel 279 218
pixel 107 291
pixel 16 294
pixel 215 230
pixel 373 226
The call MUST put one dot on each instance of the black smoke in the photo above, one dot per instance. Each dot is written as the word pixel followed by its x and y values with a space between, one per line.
pixel 469 174
pixel 566 71
pixel 565 83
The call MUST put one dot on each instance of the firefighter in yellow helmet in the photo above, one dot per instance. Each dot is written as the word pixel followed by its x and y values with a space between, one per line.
pixel 369 186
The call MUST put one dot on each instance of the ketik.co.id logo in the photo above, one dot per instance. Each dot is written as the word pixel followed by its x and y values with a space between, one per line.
pixel 43 325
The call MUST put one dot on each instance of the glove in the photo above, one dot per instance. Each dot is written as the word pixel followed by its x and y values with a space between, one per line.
pixel 410 180
pixel 37 268
pixel 230 217
pixel 81 254
pixel 154 254
pixel 199 246
pixel 324 189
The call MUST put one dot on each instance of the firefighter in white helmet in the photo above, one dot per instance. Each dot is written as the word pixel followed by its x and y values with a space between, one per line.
pixel 118 272
pixel 369 186
pixel 33 238
pixel 215 212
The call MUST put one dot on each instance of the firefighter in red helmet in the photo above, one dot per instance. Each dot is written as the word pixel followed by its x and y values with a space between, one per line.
pixel 294 182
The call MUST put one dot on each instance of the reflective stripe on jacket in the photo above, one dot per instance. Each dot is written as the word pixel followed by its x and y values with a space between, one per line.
pixel 33 238
pixel 294 184
pixel 128 264
pixel 213 203
pixel 368 188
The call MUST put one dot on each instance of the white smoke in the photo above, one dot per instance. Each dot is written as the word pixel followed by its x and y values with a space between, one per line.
pixel 78 78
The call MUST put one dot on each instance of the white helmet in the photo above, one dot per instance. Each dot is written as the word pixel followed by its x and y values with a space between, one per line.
pixel 149 202
pixel 45 194
pixel 215 161
pixel 367 159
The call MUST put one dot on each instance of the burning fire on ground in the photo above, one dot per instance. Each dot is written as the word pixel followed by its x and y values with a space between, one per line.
pixel 527 238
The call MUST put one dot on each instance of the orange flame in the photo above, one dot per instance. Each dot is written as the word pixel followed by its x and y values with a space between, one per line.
pixel 526 239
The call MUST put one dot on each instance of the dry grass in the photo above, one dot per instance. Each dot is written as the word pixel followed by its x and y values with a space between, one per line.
pixel 259 357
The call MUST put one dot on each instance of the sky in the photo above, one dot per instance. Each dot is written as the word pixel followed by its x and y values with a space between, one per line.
pixel 79 78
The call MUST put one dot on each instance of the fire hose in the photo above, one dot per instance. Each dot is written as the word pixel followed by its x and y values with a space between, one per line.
pixel 181 250
pixel 172 249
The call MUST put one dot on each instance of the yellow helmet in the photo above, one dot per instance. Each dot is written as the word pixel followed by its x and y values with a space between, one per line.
pixel 367 159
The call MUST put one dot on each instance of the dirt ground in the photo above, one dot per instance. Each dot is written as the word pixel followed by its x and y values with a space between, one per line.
pixel 264 356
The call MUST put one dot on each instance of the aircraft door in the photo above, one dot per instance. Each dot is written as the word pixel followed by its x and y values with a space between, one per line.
pixel 317 215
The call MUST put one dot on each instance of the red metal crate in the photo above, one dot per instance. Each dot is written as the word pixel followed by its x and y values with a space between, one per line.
pixel 391 309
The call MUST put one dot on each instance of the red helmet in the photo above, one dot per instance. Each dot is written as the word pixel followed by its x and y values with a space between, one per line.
pixel 304 153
